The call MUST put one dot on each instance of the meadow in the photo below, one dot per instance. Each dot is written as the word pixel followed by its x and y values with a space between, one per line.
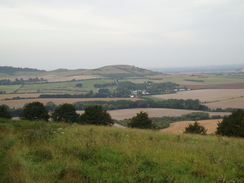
pixel 37 152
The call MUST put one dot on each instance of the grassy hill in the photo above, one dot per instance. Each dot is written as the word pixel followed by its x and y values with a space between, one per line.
pixel 106 71
pixel 35 152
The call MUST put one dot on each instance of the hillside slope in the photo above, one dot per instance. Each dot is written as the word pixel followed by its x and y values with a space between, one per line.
pixel 36 152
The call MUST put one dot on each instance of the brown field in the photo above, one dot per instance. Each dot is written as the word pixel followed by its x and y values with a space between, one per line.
pixel 229 103
pixel 179 127
pixel 217 86
pixel 153 112
pixel 57 101
pixel 213 98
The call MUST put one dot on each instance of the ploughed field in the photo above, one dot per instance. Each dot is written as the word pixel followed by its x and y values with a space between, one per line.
pixel 213 98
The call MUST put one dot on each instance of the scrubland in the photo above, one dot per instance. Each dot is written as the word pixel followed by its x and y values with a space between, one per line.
pixel 37 152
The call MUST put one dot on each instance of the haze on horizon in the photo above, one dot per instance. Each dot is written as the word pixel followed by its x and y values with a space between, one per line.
pixel 90 34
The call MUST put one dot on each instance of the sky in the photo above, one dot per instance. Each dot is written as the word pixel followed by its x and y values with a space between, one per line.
pixel 82 34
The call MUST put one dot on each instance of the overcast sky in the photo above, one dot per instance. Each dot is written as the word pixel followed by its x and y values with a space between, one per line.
pixel 72 34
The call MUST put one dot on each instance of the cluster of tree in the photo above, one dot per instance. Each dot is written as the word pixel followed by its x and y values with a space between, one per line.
pixel 194 80
pixel 128 104
pixel 105 85
pixel 2 92
pixel 94 115
pixel 20 81
pixel 164 122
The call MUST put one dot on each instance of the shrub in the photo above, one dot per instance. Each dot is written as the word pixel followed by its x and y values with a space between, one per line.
pixel 232 125
pixel 34 111
pixel 196 128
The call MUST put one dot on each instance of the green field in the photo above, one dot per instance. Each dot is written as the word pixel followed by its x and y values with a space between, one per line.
pixel 63 87
pixel 37 152
pixel 9 88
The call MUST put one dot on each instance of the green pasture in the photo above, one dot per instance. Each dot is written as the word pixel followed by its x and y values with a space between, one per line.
pixel 9 88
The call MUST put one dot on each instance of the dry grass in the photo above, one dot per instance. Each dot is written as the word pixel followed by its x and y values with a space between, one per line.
pixel 179 127
pixel 153 112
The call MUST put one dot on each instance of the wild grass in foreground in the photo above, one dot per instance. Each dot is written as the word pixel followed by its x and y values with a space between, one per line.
pixel 37 152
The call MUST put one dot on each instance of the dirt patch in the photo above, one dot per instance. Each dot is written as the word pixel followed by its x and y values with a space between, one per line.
pixel 217 86
pixel 179 127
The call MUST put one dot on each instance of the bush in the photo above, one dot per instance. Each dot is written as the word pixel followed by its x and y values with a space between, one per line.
pixel 141 120
pixel 4 113
pixel 34 111
pixel 65 113
pixel 232 125
pixel 196 128
pixel 95 115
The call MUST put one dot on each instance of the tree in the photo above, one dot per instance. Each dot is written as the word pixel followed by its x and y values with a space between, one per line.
pixel 65 113
pixel 95 115
pixel 196 128
pixel 141 120
pixel 4 113
pixel 232 125
pixel 34 111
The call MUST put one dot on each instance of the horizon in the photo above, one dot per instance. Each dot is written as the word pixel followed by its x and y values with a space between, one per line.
pixel 159 69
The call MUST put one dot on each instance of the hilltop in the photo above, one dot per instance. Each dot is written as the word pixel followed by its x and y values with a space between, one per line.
pixel 114 71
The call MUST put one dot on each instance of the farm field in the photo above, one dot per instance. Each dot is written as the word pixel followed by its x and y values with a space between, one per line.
pixel 153 112
pixel 21 102
pixel 213 98
pixel 206 79
pixel 179 127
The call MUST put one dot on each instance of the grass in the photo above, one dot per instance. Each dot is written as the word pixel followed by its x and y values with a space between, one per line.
pixel 9 88
pixel 48 152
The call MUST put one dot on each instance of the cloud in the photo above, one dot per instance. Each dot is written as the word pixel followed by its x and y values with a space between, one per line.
pixel 131 31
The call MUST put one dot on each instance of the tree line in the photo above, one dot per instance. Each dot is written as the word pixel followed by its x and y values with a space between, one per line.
pixel 21 81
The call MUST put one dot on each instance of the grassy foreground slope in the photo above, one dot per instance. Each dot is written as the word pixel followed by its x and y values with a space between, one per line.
pixel 49 152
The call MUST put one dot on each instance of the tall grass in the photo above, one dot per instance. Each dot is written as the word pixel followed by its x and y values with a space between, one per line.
pixel 47 152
